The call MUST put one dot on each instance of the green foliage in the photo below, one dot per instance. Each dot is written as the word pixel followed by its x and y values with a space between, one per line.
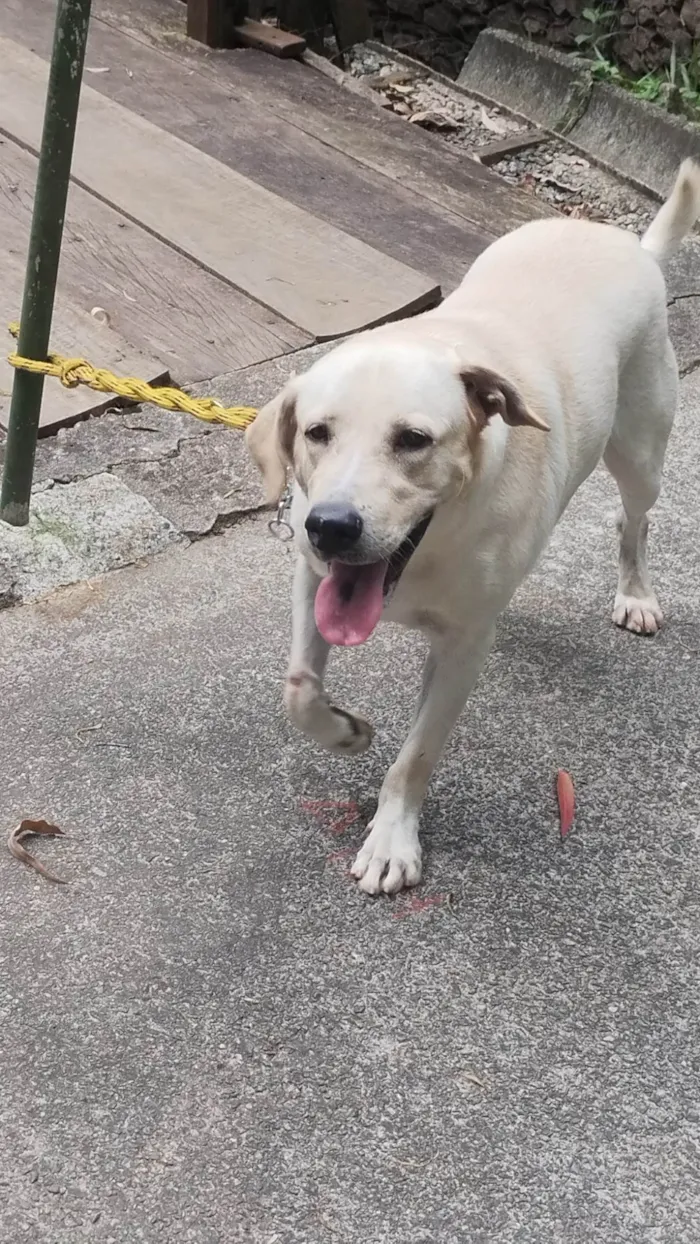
pixel 676 88
pixel 602 25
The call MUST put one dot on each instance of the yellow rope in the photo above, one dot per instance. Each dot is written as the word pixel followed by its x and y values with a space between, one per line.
pixel 72 372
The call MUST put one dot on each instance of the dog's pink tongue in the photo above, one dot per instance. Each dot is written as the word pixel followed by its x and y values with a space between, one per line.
pixel 349 603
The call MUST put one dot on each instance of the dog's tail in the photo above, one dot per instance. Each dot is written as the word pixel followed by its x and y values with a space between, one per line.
pixel 678 214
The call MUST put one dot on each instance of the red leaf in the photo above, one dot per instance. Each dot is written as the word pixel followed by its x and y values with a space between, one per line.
pixel 565 796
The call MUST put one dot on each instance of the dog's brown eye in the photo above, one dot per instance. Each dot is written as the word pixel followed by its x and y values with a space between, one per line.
pixel 318 433
pixel 411 438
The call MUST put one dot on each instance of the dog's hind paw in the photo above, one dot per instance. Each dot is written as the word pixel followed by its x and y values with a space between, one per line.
pixel 639 614
pixel 390 858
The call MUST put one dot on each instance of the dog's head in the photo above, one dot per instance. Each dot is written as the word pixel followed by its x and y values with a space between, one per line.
pixel 377 434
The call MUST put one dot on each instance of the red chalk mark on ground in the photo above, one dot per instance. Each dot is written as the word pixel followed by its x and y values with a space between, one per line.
pixel 326 811
pixel 340 857
pixel 340 862
pixel 415 906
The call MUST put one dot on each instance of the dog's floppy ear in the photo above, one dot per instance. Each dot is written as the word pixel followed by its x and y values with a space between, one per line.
pixel 270 439
pixel 489 394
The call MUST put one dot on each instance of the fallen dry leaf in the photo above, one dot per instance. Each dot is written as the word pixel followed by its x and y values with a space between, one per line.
pixel 580 211
pixel 492 124
pixel 473 1079
pixel 434 120
pixel 23 830
pixel 565 797
pixel 394 77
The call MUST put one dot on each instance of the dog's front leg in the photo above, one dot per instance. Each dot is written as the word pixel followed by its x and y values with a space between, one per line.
pixel 391 855
pixel 307 703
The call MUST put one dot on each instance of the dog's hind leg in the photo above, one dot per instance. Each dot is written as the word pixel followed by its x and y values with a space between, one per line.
pixel 635 457
pixel 306 701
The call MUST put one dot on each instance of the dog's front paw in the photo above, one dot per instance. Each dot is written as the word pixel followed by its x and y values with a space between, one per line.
pixel 309 708
pixel 641 615
pixel 346 733
pixel 390 858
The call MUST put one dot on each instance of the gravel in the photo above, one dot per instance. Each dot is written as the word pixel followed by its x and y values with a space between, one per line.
pixel 554 170
pixel 412 92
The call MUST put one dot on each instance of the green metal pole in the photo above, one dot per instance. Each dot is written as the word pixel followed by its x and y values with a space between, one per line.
pixel 60 118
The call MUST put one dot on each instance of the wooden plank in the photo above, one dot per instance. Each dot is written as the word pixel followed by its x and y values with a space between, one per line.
pixel 156 298
pixel 252 34
pixel 240 132
pixel 358 127
pixel 491 153
pixel 206 21
pixel 74 333
pixel 352 125
pixel 307 271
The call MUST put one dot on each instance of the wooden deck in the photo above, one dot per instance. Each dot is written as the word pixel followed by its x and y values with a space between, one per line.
pixel 227 207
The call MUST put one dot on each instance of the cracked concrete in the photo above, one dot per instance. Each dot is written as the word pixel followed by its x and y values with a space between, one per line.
pixel 196 476
pixel 684 319
pixel 116 438
pixel 173 477
pixel 683 283
pixel 209 478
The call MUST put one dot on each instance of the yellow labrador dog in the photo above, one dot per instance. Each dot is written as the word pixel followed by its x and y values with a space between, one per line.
pixel 432 459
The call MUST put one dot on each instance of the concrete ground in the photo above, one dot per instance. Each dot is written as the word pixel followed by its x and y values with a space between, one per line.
pixel 210 1035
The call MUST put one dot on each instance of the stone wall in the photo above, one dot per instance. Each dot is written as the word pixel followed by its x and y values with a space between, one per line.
pixel 441 32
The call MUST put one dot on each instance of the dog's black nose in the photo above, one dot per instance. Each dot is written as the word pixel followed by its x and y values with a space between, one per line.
pixel 333 528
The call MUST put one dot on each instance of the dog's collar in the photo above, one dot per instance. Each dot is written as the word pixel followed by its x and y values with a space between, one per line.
pixel 280 525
